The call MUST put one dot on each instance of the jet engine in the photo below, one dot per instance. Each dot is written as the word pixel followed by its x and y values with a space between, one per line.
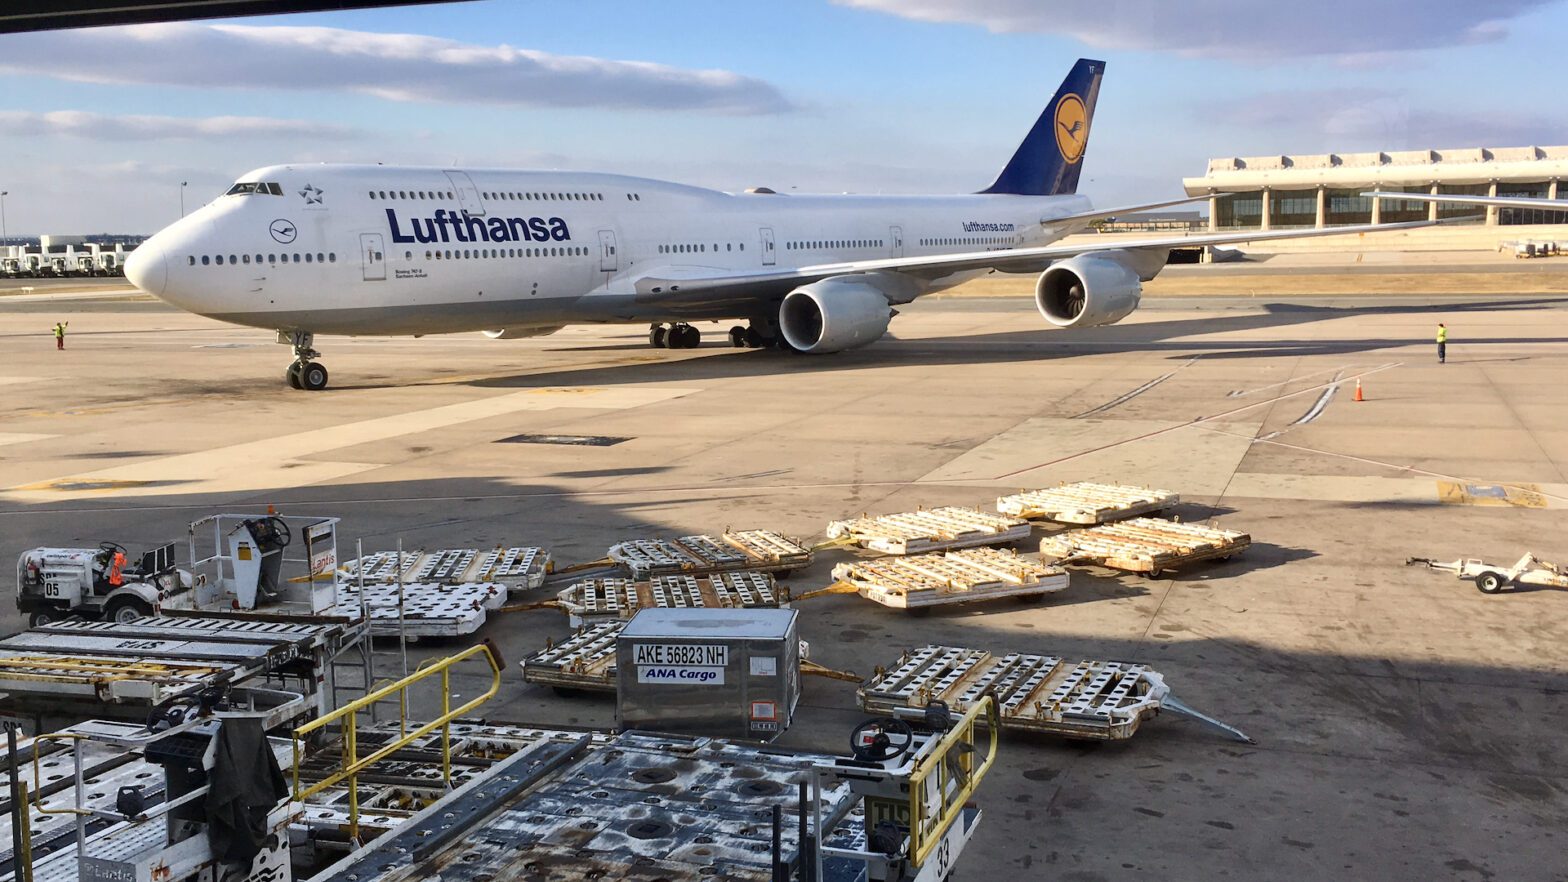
pixel 520 333
pixel 834 314
pixel 1091 290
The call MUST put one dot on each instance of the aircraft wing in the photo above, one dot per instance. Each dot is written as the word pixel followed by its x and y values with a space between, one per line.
pixel 1103 213
pixel 697 285
pixel 1498 201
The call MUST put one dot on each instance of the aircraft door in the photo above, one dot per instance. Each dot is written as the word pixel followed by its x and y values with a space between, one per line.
pixel 895 241
pixel 373 256
pixel 467 194
pixel 608 261
pixel 769 256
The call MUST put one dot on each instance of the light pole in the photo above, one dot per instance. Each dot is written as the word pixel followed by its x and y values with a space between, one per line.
pixel 5 238
pixel 182 197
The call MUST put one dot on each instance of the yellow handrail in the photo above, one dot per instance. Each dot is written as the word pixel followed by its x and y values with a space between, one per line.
pixel 38 774
pixel 925 833
pixel 353 763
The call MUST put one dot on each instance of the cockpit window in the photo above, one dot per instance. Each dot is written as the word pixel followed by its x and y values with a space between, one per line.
pixel 260 188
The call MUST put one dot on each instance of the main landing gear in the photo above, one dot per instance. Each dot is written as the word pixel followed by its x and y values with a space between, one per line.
pixel 750 338
pixel 305 372
pixel 676 336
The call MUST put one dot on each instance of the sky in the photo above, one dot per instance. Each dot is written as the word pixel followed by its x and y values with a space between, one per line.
pixel 99 128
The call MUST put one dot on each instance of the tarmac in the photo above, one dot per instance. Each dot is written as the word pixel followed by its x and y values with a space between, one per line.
pixel 1407 726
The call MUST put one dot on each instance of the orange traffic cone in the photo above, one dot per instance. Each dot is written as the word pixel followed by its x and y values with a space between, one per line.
pixel 1359 396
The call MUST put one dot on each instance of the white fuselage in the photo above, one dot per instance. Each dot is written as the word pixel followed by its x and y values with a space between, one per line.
pixel 368 249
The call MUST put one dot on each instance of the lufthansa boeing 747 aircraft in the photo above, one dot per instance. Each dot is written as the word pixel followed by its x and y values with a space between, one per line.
pixel 371 249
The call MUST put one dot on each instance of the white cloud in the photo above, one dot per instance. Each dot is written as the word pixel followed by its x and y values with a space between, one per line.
pixel 114 127
pixel 399 67
pixel 1377 119
pixel 1242 29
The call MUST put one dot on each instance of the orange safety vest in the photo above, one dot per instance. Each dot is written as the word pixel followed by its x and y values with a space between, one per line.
pixel 116 564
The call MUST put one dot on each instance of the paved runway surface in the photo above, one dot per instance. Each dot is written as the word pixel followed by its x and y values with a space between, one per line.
pixel 1408 727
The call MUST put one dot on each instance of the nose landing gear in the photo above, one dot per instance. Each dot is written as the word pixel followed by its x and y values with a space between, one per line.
pixel 305 373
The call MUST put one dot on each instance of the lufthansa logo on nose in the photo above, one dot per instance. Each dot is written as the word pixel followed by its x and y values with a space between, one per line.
pixel 283 232
pixel 1072 127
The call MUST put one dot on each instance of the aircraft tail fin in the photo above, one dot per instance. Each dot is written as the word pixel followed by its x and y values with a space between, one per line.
pixel 1050 158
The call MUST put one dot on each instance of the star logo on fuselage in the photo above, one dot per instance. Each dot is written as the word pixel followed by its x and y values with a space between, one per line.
pixel 312 194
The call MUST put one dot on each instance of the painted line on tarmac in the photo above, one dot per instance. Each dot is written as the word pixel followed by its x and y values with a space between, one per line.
pixel 1199 422
pixel 1243 393
pixel 1313 412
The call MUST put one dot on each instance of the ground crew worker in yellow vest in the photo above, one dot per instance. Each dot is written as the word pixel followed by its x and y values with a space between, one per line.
pixel 1442 343
pixel 59 334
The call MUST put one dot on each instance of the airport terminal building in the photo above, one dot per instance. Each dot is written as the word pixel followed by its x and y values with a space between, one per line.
pixel 1280 192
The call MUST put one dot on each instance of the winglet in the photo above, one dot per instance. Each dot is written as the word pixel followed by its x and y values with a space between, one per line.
pixel 1049 160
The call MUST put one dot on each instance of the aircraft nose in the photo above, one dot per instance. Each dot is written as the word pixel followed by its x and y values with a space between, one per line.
pixel 148 269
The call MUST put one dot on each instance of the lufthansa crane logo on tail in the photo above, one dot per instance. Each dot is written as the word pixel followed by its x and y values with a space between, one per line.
pixel 1072 127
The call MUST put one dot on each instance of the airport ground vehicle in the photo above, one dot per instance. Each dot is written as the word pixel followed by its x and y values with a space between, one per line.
pixel 56 583
pixel 1491 578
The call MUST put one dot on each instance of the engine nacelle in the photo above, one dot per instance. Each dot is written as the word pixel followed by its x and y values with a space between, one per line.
pixel 520 333
pixel 834 314
pixel 1089 290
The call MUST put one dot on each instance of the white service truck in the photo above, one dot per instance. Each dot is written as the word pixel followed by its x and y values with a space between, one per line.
pixel 57 583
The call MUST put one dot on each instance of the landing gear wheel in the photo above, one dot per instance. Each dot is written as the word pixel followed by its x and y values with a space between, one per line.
pixel 881 739
pixel 313 376
pixel 292 376
pixel 127 609
pixel 659 337
pixel 43 617
pixel 754 339
pixel 684 337
pixel 738 337
pixel 1490 583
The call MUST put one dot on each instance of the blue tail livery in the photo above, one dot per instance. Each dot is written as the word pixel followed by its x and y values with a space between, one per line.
pixel 1049 160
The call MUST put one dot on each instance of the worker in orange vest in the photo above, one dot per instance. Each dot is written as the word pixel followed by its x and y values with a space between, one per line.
pixel 116 568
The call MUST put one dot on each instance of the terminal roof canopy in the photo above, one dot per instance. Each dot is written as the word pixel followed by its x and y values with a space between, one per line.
pixel 49 15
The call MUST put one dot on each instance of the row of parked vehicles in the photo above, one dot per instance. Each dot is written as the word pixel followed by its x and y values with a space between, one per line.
pixel 90 259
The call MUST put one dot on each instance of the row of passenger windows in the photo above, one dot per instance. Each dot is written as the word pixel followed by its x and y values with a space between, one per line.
pixel 700 248
pixel 969 240
pixel 483 253
pixel 835 243
pixel 233 259
pixel 497 196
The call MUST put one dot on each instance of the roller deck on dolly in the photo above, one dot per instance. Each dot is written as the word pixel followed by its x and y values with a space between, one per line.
pixel 965 576
pixel 760 551
pixel 1144 545
pixel 926 530
pixel 519 568
pixel 599 600
pixel 652 806
pixel 1093 700
pixel 1086 503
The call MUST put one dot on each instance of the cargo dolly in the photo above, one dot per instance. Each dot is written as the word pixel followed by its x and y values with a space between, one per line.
pixel 591 601
pixel 1144 545
pixel 1086 503
pixel 760 551
pixel 1092 700
pixel 925 530
pixel 926 580
pixel 585 661
pixel 428 609
pixel 1491 578
pixel 519 568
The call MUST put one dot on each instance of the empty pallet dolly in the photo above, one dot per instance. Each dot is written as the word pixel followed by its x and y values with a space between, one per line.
pixel 736 550
pixel 120 668
pixel 519 568
pixel 429 609
pixel 1093 700
pixel 1086 503
pixel 1144 545
pixel 585 660
pixel 600 600
pixel 936 529
pixel 965 576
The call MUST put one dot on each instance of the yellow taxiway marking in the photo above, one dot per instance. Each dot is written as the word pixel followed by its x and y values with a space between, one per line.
pixel 281 461
pixel 1517 495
